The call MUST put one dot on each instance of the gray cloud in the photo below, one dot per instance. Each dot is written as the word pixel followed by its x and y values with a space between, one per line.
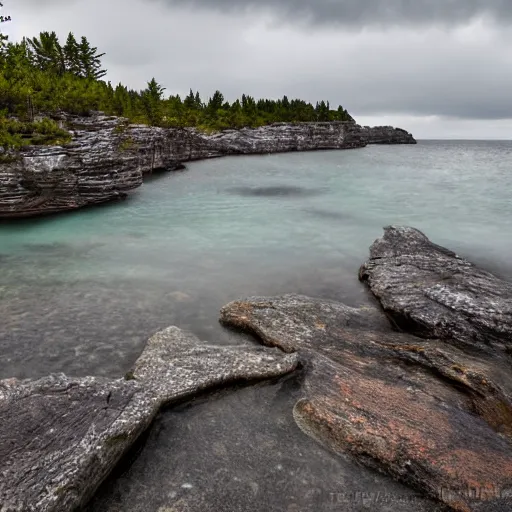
pixel 439 80
pixel 367 12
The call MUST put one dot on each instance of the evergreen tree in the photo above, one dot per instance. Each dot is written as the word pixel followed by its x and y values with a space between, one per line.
pixel 89 60
pixel 47 53
pixel 216 101
pixel 121 103
pixel 72 55
pixel 197 101
pixel 190 100
pixel 322 111
pixel 152 101
pixel 40 75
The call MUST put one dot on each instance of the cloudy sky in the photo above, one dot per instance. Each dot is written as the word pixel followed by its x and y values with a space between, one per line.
pixel 439 68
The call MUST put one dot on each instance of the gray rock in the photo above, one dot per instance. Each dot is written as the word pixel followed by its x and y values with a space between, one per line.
pixel 424 412
pixel 60 437
pixel 388 135
pixel 430 291
pixel 108 157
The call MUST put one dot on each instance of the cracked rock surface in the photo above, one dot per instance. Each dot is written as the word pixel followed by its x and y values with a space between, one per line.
pixel 430 413
pixel 60 437
pixel 430 291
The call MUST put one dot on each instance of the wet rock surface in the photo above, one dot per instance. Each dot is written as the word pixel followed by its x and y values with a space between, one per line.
pixel 109 157
pixel 423 411
pixel 431 413
pixel 60 437
pixel 430 291
pixel 242 451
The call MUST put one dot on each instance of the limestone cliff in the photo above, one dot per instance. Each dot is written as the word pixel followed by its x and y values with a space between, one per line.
pixel 388 135
pixel 108 157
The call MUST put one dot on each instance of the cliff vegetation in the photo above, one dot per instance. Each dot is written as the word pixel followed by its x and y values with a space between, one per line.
pixel 41 76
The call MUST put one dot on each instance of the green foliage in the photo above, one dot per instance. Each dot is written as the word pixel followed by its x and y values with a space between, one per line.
pixel 89 62
pixel 40 76
pixel 15 134
pixel 127 144
pixel 46 53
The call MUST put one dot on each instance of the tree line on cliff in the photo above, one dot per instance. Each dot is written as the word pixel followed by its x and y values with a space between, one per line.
pixel 40 76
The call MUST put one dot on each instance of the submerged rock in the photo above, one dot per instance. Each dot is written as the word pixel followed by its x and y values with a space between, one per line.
pixel 424 412
pixel 276 191
pixel 108 157
pixel 430 291
pixel 60 437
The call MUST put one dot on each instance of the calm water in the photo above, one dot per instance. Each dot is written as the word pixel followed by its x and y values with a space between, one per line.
pixel 81 292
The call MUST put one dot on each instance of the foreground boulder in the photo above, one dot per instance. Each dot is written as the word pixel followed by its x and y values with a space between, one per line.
pixel 424 412
pixel 108 157
pixel 430 291
pixel 60 437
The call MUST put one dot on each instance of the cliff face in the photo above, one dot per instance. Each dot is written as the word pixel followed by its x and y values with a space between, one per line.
pixel 108 157
pixel 388 135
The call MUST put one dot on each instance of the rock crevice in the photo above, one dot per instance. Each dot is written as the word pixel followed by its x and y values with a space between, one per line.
pixel 60 437
pixel 432 408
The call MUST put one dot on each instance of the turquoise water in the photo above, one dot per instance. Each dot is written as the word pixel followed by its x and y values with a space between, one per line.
pixel 81 292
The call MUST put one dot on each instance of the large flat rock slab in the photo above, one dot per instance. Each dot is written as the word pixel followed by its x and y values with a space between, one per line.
pixel 430 291
pixel 60 437
pixel 422 411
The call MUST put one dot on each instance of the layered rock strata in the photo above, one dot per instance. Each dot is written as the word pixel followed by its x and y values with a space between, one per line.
pixel 108 157
pixel 388 135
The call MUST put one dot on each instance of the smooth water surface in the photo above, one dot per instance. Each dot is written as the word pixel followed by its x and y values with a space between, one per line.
pixel 80 292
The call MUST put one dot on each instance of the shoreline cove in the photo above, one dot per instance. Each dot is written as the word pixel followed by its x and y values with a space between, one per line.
pixel 107 158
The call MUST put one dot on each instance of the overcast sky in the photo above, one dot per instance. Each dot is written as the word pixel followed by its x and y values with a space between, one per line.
pixel 438 68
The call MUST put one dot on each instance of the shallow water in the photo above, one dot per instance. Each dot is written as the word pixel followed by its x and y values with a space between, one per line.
pixel 216 455
pixel 81 292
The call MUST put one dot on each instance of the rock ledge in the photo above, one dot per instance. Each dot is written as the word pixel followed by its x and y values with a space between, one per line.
pixel 60 437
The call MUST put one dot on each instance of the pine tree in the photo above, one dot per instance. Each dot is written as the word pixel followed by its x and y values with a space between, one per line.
pixel 71 55
pixel 216 101
pixel 197 101
pixel 47 53
pixel 152 101
pixel 40 75
pixel 190 100
pixel 89 60
pixel 322 111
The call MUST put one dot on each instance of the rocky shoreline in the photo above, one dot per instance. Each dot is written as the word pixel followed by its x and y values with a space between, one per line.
pixel 109 157
pixel 418 388
pixel 61 437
